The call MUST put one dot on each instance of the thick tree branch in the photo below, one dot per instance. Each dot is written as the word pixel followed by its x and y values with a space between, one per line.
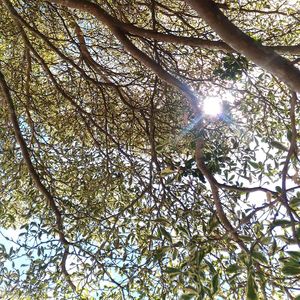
pixel 64 268
pixel 292 149
pixel 242 43
pixel 83 113
pixel 192 41
pixel 215 193
pixel 143 58
pixel 33 173
pixel 97 68
pixel 35 176
pixel 44 38
pixel 198 42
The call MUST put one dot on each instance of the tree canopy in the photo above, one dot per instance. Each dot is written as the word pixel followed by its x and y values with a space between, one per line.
pixel 114 178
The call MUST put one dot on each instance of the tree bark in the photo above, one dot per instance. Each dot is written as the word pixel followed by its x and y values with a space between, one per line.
pixel 242 43
pixel 114 26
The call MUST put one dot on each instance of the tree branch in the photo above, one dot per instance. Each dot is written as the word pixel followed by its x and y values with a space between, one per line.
pixel 291 151
pixel 143 58
pixel 215 193
pixel 25 152
pixel 198 42
pixel 32 172
pixel 45 39
pixel 192 41
pixel 64 268
pixel 242 43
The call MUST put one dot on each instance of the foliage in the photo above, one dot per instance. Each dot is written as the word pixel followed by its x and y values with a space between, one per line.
pixel 114 145
pixel 231 67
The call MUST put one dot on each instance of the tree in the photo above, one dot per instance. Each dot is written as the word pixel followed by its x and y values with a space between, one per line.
pixel 118 183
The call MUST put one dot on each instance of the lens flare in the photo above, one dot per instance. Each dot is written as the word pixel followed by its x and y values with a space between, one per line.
pixel 212 106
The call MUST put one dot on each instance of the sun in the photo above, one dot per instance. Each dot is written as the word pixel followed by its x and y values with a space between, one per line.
pixel 212 106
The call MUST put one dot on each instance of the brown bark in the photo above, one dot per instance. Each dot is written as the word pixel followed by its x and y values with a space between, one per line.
pixel 26 155
pixel 59 226
pixel 186 40
pixel 215 194
pixel 242 43
pixel 143 58
pixel 292 150
pixel 198 42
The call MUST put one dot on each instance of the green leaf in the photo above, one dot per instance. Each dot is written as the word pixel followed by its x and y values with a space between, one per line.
pixel 184 230
pixel 291 270
pixel 246 238
pixel 167 171
pixel 294 254
pixel 162 221
pixel 251 288
pixel 191 290
pixel 274 246
pixel 295 202
pixel 187 297
pixel 279 146
pixel 178 244
pixel 232 268
pixel 160 252
pixel 258 256
pixel 213 223
pixel 166 234
pixel 215 283
pixel 199 257
pixel 170 270
pixel 266 240
pixel 254 164
pixel 281 223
